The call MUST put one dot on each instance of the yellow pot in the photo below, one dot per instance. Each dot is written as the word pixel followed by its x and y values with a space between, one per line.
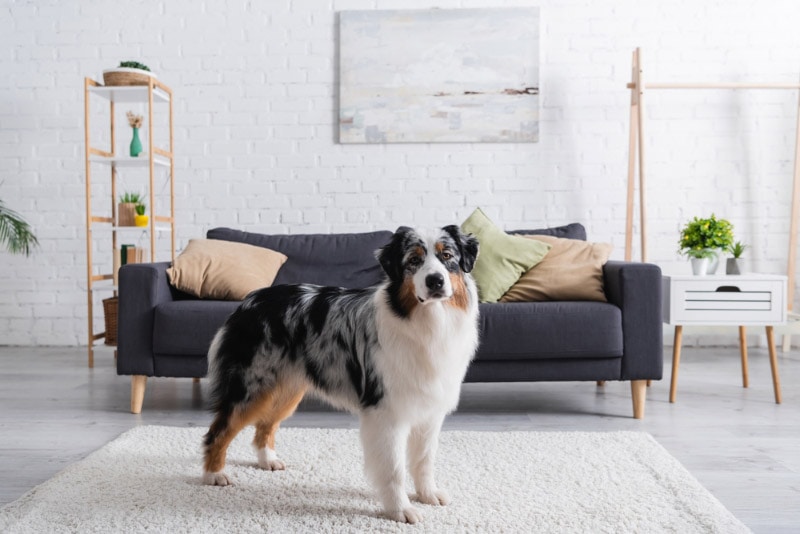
pixel 141 220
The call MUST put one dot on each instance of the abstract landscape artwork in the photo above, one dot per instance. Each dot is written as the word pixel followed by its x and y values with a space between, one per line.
pixel 439 76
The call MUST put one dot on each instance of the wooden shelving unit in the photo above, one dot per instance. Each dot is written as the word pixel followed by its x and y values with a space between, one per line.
pixel 114 163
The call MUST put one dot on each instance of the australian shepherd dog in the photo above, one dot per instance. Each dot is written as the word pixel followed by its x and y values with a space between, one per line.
pixel 394 354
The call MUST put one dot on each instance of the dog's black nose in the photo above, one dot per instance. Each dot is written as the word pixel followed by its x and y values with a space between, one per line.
pixel 434 281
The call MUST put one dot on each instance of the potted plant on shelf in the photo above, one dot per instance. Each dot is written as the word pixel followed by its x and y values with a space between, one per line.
pixel 733 265
pixel 126 210
pixel 141 219
pixel 702 240
pixel 128 73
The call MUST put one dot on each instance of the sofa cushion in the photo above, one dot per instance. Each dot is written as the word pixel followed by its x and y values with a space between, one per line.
pixel 549 330
pixel 223 270
pixel 568 231
pixel 341 260
pixel 187 326
pixel 572 270
pixel 502 258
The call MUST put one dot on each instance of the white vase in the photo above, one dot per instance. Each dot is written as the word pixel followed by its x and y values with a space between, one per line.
pixel 700 266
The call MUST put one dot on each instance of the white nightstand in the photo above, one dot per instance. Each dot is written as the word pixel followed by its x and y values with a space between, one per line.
pixel 743 300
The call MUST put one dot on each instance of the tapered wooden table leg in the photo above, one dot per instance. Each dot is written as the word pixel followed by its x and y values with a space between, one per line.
pixel 638 394
pixel 138 384
pixel 676 359
pixel 773 363
pixel 743 349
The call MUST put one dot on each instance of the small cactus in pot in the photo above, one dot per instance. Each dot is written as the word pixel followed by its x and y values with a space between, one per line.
pixel 734 265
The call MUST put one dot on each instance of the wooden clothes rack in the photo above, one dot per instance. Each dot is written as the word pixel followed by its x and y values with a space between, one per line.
pixel 636 148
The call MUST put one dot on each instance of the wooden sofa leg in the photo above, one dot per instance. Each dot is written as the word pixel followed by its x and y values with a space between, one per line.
pixel 138 383
pixel 638 392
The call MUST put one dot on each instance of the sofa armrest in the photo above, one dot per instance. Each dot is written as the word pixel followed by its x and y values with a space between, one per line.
pixel 636 289
pixel 142 287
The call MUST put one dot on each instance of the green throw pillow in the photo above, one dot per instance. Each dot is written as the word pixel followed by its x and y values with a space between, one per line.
pixel 503 258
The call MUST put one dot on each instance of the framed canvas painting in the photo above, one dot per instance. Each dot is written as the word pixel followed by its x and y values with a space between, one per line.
pixel 439 76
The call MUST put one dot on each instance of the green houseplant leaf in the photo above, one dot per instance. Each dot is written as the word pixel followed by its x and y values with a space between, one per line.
pixel 15 233
pixel 134 65
pixel 737 249
pixel 701 237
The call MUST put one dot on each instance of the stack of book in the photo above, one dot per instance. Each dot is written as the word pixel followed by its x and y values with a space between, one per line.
pixel 127 254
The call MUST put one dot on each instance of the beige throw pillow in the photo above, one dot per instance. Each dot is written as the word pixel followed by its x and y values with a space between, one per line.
pixel 224 270
pixel 571 270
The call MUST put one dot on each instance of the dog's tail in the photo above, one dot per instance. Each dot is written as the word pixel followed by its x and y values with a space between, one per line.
pixel 220 400
pixel 214 365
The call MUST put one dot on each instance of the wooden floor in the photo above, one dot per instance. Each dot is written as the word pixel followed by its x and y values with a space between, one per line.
pixel 737 442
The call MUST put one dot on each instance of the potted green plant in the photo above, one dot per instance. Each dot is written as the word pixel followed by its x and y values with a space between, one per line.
pixel 126 210
pixel 703 239
pixel 733 265
pixel 16 234
pixel 141 219
pixel 128 73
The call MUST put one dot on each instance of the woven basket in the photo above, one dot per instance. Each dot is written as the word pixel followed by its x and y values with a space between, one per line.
pixel 125 76
pixel 111 310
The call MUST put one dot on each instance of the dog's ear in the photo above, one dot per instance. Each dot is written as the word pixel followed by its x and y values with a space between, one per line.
pixel 390 255
pixel 467 247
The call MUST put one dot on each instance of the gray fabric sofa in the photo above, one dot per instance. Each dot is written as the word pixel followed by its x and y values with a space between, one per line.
pixel 164 332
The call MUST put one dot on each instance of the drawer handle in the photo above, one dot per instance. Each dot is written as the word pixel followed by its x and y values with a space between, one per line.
pixel 728 289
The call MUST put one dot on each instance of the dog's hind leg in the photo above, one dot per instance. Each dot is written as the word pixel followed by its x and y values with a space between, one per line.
pixel 225 427
pixel 284 402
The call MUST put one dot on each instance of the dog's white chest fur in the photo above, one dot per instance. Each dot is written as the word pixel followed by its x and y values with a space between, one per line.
pixel 425 357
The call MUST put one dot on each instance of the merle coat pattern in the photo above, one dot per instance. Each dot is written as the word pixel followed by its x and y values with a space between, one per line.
pixel 394 354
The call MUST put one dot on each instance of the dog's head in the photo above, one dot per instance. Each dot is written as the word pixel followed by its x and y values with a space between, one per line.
pixel 427 267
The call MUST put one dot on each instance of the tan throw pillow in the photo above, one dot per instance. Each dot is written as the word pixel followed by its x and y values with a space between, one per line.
pixel 224 270
pixel 572 270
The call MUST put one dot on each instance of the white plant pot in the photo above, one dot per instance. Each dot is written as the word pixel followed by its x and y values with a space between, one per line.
pixel 713 262
pixel 700 266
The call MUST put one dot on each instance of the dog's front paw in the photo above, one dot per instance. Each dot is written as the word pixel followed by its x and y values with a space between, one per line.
pixel 434 497
pixel 271 465
pixel 409 514
pixel 216 479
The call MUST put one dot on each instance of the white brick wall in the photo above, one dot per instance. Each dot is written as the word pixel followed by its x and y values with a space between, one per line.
pixel 255 130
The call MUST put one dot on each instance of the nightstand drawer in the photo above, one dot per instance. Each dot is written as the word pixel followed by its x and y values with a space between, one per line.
pixel 721 300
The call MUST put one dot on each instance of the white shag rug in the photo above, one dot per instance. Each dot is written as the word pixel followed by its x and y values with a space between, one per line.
pixel 148 480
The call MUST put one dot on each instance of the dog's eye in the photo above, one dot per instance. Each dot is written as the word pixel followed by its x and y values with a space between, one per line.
pixel 414 261
pixel 446 256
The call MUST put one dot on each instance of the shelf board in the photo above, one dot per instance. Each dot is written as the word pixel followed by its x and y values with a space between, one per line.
pixel 159 228
pixel 103 287
pixel 127 161
pixel 131 93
